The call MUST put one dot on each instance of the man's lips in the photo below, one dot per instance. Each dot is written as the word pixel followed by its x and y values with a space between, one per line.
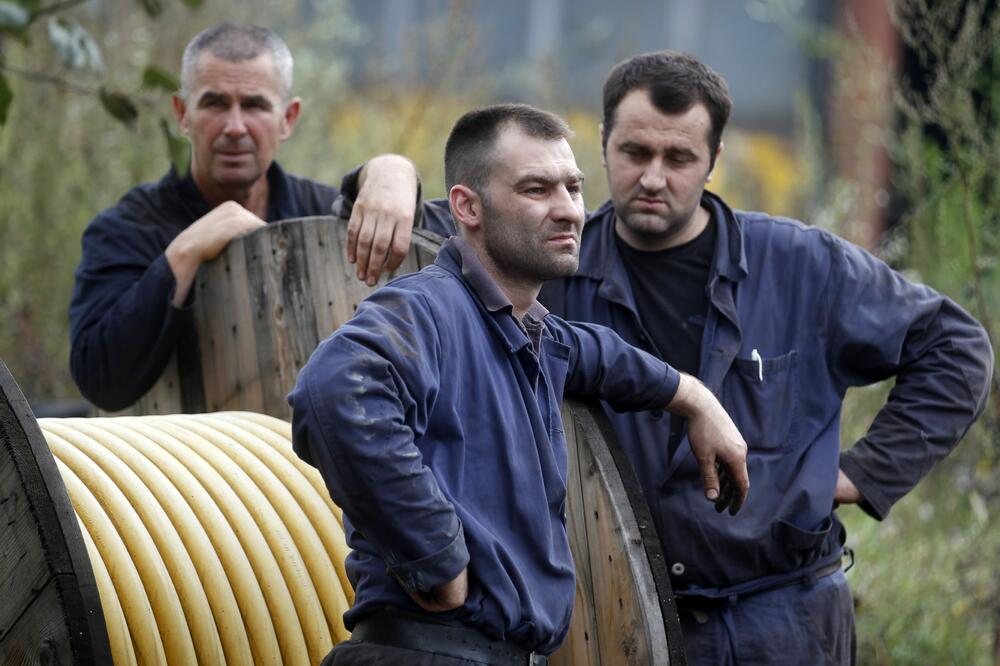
pixel 563 239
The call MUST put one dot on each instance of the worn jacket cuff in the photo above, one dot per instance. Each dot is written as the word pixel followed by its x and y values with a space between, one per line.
pixel 421 576
pixel 160 270
pixel 873 502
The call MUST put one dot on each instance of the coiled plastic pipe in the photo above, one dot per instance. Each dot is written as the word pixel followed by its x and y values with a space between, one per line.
pixel 211 542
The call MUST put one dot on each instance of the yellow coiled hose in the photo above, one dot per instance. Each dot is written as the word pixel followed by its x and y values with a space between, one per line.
pixel 211 542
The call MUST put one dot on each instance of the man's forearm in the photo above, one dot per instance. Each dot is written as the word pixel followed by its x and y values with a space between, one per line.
pixel 123 336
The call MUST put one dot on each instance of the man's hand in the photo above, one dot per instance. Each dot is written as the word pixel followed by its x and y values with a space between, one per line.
pixel 846 492
pixel 204 240
pixel 445 597
pixel 378 234
pixel 716 443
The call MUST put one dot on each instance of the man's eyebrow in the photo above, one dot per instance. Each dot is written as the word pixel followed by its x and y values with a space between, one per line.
pixel 212 96
pixel 259 100
pixel 549 178
pixel 677 150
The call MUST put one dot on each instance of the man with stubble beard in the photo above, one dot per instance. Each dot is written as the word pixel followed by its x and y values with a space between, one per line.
pixel 434 416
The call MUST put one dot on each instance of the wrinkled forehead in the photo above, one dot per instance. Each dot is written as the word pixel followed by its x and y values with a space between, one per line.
pixel 517 155
pixel 251 76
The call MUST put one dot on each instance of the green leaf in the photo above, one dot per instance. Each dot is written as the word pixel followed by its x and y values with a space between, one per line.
pixel 120 107
pixel 177 147
pixel 193 4
pixel 154 77
pixel 74 45
pixel 13 17
pixel 6 97
pixel 153 8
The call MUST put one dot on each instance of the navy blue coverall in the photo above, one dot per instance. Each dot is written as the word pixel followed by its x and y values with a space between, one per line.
pixel 435 421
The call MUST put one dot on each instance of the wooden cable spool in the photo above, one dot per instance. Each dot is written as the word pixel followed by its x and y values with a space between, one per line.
pixel 260 310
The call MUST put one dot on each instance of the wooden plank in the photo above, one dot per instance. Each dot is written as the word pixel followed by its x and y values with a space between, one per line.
pixel 266 303
pixel 41 635
pixel 325 262
pixel 224 310
pixel 629 617
pixel 289 336
pixel 655 557
pixel 580 648
pixel 44 567
pixel 23 568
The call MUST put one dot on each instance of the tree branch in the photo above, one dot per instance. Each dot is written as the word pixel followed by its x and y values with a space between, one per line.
pixel 68 86
pixel 52 9
pixel 49 79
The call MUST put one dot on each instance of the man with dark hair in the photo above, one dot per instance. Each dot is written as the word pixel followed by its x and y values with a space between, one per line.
pixel 777 319
pixel 133 285
pixel 434 416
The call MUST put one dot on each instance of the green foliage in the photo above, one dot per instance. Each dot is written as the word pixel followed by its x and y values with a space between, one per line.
pixel 120 107
pixel 177 147
pixel 78 53
pixel 152 7
pixel 154 77
pixel 6 97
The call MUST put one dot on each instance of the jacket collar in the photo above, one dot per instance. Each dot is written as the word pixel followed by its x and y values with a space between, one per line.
pixel 458 258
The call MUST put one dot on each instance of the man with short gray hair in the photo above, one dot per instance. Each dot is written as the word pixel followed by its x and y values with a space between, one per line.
pixel 140 257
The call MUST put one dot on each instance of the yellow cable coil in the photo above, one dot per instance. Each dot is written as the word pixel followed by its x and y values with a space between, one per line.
pixel 211 542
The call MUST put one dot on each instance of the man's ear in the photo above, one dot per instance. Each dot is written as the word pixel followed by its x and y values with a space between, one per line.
pixel 715 162
pixel 466 207
pixel 291 117
pixel 180 112
pixel 604 146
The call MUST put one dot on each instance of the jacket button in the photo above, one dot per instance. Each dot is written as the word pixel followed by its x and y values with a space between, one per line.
pixel 677 568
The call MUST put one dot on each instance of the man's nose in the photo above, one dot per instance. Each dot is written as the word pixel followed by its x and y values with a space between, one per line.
pixel 654 176
pixel 566 207
pixel 235 127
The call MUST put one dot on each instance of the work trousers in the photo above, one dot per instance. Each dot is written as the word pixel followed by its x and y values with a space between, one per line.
pixel 810 623
pixel 350 653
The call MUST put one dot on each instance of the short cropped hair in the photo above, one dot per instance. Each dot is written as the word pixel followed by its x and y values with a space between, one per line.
pixel 236 43
pixel 468 154
pixel 675 83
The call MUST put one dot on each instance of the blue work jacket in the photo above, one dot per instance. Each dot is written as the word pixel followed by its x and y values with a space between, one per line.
pixel 436 426
pixel 796 316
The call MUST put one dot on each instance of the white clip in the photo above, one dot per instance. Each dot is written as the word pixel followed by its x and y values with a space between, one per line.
pixel 755 356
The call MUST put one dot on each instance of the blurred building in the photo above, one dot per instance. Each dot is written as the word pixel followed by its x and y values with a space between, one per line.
pixel 774 54
pixel 533 47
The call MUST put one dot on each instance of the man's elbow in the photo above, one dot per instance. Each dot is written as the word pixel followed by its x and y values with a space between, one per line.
pixel 982 349
pixel 94 385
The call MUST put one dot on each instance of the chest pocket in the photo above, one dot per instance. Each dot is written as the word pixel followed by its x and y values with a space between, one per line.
pixel 762 397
